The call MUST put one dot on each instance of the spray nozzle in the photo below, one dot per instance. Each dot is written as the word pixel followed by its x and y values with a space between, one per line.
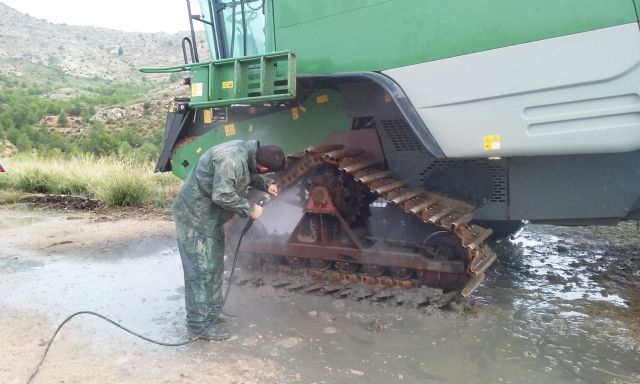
pixel 264 199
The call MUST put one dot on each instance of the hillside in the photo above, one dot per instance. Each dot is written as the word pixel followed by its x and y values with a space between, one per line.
pixel 37 50
pixel 70 89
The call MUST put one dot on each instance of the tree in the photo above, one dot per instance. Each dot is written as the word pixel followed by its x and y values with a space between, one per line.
pixel 6 122
pixel 23 143
pixel 130 136
pixel 146 107
pixel 62 118
pixel 100 141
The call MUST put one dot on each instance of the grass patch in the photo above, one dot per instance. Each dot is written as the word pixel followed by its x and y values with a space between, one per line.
pixel 7 181
pixel 9 197
pixel 73 185
pixel 165 187
pixel 35 181
pixel 113 180
pixel 125 190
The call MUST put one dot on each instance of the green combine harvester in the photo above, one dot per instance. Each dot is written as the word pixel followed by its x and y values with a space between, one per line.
pixel 418 128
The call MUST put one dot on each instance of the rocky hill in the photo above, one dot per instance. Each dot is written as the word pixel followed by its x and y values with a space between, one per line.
pixel 37 50
pixel 82 86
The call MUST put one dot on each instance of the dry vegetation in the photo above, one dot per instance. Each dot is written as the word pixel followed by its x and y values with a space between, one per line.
pixel 112 180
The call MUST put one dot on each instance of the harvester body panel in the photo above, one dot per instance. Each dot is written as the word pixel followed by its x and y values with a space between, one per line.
pixel 493 103
pixel 419 128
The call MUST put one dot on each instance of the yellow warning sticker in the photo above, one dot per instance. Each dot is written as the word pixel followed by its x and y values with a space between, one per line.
pixel 198 150
pixel 295 114
pixel 207 116
pixel 171 107
pixel 491 142
pixel 196 89
pixel 322 99
pixel 230 130
pixel 227 84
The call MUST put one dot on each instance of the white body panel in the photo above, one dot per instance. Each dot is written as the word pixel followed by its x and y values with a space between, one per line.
pixel 567 95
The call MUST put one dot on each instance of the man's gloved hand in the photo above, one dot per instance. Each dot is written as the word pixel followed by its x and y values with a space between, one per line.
pixel 257 212
pixel 273 190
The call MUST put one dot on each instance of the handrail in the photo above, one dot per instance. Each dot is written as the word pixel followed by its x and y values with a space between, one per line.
pixel 186 67
pixel 184 50
pixel 244 29
pixel 193 33
pixel 214 30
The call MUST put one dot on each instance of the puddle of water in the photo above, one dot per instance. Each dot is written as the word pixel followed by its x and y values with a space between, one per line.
pixel 133 291
pixel 526 240
pixel 563 276
pixel 13 260
pixel 524 331
pixel 559 306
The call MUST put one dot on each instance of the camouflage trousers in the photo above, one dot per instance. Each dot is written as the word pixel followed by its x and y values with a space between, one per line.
pixel 203 264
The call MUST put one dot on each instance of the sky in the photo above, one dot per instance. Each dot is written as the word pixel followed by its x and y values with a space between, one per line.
pixel 125 15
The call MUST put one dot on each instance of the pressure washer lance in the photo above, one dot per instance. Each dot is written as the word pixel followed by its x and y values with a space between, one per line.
pixel 262 201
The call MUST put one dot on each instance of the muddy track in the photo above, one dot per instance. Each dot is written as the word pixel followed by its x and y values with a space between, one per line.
pixel 301 281
pixel 445 214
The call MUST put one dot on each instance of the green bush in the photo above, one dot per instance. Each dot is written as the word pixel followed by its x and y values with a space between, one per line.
pixel 125 190
pixel 165 188
pixel 62 118
pixel 6 181
pixel 71 186
pixel 36 181
pixel 115 180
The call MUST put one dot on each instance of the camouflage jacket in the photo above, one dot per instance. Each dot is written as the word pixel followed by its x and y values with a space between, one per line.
pixel 211 193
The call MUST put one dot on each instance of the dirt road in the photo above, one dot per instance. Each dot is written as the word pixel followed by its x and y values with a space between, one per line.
pixel 560 305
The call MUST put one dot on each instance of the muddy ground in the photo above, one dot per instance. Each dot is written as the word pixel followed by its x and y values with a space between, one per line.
pixel 561 305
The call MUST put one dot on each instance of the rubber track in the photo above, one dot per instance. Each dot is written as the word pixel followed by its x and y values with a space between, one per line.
pixel 307 281
pixel 445 213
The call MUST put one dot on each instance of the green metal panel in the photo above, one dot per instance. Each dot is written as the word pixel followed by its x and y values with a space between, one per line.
pixel 373 35
pixel 303 12
pixel 293 129
pixel 250 79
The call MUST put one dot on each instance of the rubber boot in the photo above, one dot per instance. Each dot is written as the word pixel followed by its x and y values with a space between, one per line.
pixel 226 318
pixel 212 333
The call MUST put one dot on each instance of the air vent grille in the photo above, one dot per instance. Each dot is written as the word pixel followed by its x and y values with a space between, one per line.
pixel 401 135
pixel 496 170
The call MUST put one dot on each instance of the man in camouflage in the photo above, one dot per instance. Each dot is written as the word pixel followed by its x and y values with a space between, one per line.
pixel 209 197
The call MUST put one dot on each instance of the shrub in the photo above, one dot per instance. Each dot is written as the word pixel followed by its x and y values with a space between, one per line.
pixel 35 181
pixel 73 185
pixel 165 187
pixel 114 180
pixel 62 118
pixel 7 181
pixel 125 190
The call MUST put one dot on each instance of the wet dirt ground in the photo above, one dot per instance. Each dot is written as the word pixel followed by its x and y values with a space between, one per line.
pixel 561 305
